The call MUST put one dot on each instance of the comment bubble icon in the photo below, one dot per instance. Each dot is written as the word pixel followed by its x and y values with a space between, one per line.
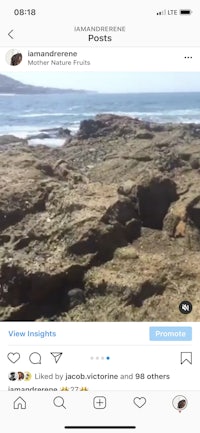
pixel 35 358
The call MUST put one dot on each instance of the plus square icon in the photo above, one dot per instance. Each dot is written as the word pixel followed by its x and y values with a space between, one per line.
pixel 99 402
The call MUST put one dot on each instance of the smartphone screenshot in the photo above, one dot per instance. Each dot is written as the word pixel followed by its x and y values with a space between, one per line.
pixel 99 216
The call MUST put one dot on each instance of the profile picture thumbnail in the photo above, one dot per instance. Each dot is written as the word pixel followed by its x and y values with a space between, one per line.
pixel 179 402
pixel 20 375
pixel 13 376
pixel 14 57
pixel 27 376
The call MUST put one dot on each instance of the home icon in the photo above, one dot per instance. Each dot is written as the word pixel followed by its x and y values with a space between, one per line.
pixel 19 403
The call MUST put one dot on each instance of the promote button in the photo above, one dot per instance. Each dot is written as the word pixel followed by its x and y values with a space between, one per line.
pixel 170 333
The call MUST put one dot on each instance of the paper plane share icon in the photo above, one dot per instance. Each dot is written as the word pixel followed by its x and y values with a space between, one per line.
pixel 56 356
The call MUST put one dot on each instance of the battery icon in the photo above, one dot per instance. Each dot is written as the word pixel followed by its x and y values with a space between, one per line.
pixel 185 11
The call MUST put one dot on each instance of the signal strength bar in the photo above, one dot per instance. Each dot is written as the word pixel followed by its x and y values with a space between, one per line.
pixel 163 12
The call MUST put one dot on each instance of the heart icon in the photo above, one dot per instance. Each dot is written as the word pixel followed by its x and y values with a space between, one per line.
pixel 139 401
pixel 13 357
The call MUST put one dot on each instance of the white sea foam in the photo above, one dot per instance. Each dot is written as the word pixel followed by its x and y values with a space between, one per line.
pixel 53 115
pixel 162 113
pixel 52 142
pixel 41 115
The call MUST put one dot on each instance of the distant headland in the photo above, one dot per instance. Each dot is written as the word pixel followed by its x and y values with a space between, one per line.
pixel 9 86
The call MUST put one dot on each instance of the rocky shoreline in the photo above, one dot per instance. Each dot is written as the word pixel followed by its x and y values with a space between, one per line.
pixel 104 228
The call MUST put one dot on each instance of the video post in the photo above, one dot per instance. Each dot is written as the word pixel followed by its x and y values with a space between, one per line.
pixel 99 196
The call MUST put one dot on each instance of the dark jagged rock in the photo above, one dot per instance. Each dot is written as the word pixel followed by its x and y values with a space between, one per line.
pixel 106 124
pixel 50 133
pixel 57 132
pixel 122 211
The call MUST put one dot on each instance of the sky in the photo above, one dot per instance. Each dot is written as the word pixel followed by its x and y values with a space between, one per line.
pixel 114 82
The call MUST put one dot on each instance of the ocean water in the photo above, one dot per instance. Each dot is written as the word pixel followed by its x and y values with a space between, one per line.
pixel 24 115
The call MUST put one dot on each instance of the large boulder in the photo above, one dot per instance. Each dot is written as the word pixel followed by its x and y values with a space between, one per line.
pixel 183 220
pixel 122 211
pixel 107 124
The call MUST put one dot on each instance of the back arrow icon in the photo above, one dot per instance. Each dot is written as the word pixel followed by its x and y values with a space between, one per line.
pixel 9 34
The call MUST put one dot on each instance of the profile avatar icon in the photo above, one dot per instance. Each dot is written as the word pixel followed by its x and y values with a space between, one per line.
pixel 20 375
pixel 16 59
pixel 13 376
pixel 179 403
pixel 27 376
pixel 182 404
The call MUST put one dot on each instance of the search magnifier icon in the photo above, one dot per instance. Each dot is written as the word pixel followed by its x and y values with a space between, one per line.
pixel 59 402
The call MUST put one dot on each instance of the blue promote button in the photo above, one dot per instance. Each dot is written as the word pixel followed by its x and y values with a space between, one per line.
pixel 170 333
